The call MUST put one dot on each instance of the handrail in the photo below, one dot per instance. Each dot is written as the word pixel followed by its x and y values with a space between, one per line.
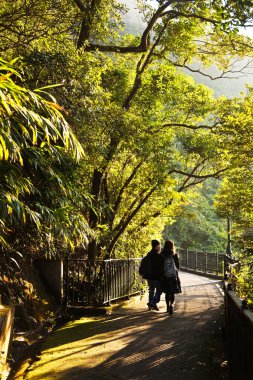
pixel 99 282
pixel 239 336
pixel 6 324
pixel 202 262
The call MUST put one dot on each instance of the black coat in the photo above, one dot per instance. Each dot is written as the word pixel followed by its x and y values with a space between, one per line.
pixel 172 285
pixel 157 262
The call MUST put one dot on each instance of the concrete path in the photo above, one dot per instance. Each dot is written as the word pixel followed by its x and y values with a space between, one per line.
pixel 135 344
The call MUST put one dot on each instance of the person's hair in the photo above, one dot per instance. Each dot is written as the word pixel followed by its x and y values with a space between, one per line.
pixel 154 243
pixel 169 248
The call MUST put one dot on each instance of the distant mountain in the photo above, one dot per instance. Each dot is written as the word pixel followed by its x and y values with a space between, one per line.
pixel 230 87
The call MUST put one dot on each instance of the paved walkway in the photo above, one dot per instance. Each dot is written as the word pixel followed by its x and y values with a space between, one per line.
pixel 135 344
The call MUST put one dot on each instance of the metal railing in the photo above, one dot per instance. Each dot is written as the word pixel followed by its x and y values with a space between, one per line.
pixel 202 262
pixel 238 318
pixel 99 282
pixel 239 337
pixel 239 327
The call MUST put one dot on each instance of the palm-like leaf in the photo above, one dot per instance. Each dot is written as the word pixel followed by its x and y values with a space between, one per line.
pixel 28 119
pixel 35 139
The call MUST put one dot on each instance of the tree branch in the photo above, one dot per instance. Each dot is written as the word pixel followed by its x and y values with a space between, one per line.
pixel 130 208
pixel 127 182
pixel 188 126
pixel 129 218
pixel 89 13
pixel 223 74
pixel 187 15
pixel 80 5
pixel 193 183
pixel 145 38
pixel 199 176
pixel 146 221
pixel 141 66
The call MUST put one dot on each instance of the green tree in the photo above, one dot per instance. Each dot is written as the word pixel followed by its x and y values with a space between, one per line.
pixel 235 135
pixel 197 226
pixel 234 199
pixel 147 130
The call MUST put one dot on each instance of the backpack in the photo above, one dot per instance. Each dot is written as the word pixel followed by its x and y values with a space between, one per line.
pixel 145 269
pixel 170 269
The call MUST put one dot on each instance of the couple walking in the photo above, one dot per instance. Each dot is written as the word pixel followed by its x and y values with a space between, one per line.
pixel 160 269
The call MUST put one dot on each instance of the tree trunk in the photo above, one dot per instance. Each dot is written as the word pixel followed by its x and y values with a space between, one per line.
pixel 95 190
pixel 92 250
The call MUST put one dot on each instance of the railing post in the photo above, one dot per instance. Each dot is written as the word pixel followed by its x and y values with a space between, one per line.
pixel 229 251
pixel 205 261
pixel 66 285
pixel 78 284
pixel 89 282
pixel 225 274
pixel 128 278
pixel 104 282
pixel 109 282
pixel 196 259
pixel 217 262
pixel 187 258
pixel 244 338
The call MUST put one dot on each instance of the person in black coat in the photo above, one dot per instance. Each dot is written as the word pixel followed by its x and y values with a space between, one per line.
pixel 152 270
pixel 170 283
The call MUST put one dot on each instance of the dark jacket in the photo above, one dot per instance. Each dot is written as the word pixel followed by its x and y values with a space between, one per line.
pixel 171 285
pixel 157 262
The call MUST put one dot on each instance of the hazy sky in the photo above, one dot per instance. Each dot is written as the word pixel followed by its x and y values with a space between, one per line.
pixel 247 31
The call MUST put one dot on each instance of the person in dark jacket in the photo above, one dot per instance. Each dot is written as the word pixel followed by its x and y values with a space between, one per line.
pixel 154 280
pixel 170 283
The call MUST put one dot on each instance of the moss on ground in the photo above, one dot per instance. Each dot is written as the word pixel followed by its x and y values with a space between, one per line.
pixel 53 350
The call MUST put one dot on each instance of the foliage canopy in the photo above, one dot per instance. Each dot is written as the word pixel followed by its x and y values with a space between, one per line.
pixel 149 134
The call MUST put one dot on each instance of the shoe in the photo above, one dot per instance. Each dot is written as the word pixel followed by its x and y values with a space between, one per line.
pixel 170 310
pixel 152 307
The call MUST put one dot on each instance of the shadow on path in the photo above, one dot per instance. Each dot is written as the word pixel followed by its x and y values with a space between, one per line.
pixel 135 344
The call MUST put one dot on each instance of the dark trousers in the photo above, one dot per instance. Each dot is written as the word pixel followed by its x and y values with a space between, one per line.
pixel 169 298
pixel 155 292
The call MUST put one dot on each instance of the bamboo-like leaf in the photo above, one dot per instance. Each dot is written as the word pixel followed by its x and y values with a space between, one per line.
pixel 55 105
pixel 9 209
pixel 47 135
pixel 24 129
pixel 4 77
pixel 19 254
pixel 15 262
pixel 3 242
pixel 5 103
pixel 34 140
pixel 35 218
